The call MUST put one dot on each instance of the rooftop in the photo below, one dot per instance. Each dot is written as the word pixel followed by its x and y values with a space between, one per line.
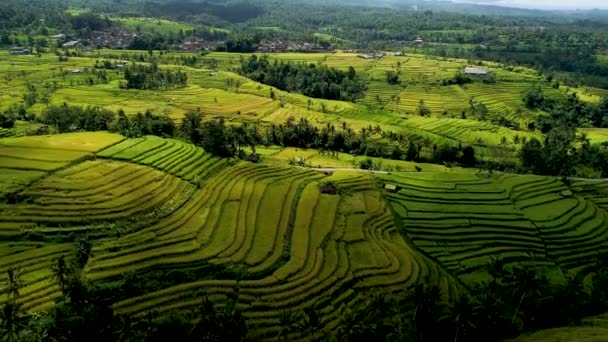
pixel 476 71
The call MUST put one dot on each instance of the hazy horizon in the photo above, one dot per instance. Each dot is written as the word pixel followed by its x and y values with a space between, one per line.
pixel 544 4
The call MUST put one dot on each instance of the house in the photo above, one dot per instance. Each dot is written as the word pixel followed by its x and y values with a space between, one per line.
pixel 76 71
pixel 399 54
pixel 391 187
pixel 371 55
pixel 476 71
pixel 71 44
pixel 59 36
pixel 192 45
pixel 418 41
pixel 20 50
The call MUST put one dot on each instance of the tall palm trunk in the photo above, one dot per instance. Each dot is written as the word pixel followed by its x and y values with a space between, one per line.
pixel 521 300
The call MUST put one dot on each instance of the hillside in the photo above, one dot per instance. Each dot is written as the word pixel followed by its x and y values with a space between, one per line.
pixel 152 204
pixel 341 170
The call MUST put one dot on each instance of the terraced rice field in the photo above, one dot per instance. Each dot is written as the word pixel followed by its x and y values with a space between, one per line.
pixel 150 204
pixel 337 246
pixel 153 203
pixel 464 221
pixel 5 132
pixel 34 260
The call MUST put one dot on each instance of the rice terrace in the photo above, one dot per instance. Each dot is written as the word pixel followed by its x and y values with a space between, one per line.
pixel 302 171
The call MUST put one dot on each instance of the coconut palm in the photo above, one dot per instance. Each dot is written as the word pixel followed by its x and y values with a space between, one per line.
pixel 60 272
pixel 310 322
pixel 526 284
pixel 464 318
pixel 287 323
pixel 14 284
pixel 9 322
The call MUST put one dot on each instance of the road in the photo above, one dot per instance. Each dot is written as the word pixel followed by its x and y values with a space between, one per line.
pixel 386 173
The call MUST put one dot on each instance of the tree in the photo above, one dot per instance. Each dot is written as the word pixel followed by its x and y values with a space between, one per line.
pixel 534 97
pixel 60 272
pixel 287 323
pixel 9 322
pixel 191 126
pixel 83 250
pixel 464 318
pixel 310 322
pixel 217 139
pixel 14 284
pixel 532 156
pixel 422 109
pixel 412 152
pixel 557 151
pixel 6 121
pixel 528 288
pixel 468 156
pixel 573 299
pixel 392 77
pixel 425 311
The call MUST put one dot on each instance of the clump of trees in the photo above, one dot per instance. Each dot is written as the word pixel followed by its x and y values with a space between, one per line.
pixel 7 120
pixel 393 77
pixel 90 21
pixel 139 76
pixel 66 118
pixel 564 153
pixel 308 79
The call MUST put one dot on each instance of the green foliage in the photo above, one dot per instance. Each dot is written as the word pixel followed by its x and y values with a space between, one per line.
pixel 216 139
pixel 139 76
pixel 90 21
pixel 392 77
pixel 70 119
pixel 6 121
pixel 310 80
pixel 534 98
pixel 423 109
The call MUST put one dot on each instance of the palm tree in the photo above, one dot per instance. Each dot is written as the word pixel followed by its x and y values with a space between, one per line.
pixel 496 268
pixel 526 283
pixel 287 322
pixel 60 271
pixel 310 322
pixel 574 298
pixel 426 310
pixel 464 317
pixel 9 320
pixel 14 284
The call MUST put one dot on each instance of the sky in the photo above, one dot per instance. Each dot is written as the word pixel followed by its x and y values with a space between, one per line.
pixel 545 4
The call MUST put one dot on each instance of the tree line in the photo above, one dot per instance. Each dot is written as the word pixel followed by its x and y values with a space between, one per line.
pixel 310 80
pixel 562 152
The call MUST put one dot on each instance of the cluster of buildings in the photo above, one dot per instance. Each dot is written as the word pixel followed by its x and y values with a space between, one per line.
pixel 376 55
pixel 19 50
pixel 476 71
pixel 113 39
pixel 278 45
